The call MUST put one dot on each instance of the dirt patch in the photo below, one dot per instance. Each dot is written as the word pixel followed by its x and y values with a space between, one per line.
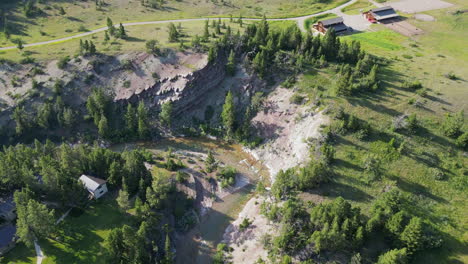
pixel 247 243
pixel 402 27
pixel 416 6
pixel 286 127
pixel 424 17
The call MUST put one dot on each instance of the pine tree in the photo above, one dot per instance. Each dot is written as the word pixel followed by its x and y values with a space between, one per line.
pixel 106 36
pixel 228 114
pixel 110 27
pixel 240 20
pixel 19 45
pixel 206 33
pixel 166 113
pixel 212 54
pixel 210 162
pixel 122 200
pixel 122 34
pixel 231 64
pixel 413 235
pixel 143 127
pixel 173 33
pixel 103 127
pixel 169 256
pixel 62 11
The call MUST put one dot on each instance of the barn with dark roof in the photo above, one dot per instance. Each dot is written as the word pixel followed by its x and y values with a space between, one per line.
pixel 380 14
pixel 336 23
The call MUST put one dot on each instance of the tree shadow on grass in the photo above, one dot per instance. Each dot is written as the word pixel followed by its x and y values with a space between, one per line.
pixel 415 188
pixel 337 189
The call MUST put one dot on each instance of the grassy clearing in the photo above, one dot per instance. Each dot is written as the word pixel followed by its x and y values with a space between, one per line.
pixel 138 35
pixel 50 24
pixel 358 7
pixel 20 255
pixel 427 58
pixel 79 239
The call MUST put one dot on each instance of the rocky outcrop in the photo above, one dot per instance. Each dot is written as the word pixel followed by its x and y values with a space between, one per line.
pixel 185 91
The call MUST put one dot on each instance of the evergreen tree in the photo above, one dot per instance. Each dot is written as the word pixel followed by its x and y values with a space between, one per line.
pixel 169 256
pixel 143 127
pixel 122 200
pixel 210 162
pixel 166 113
pixel 106 36
pixel 103 127
pixel 212 53
pixel 228 114
pixel 173 33
pixel 34 221
pixel 413 235
pixel 110 27
pixel 62 11
pixel 231 64
pixel 206 32
pixel 19 45
pixel 131 120
pixel 394 256
pixel 122 33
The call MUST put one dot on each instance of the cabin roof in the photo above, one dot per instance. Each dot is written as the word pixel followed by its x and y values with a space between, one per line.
pixel 332 21
pixel 91 183
pixel 384 12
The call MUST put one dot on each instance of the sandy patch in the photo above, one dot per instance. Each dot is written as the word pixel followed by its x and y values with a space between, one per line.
pixel 247 244
pixel 424 17
pixel 402 27
pixel 416 6
pixel 286 127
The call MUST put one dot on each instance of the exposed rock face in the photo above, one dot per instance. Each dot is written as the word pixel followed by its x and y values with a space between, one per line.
pixel 184 90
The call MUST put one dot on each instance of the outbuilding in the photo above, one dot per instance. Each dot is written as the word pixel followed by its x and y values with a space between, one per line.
pixel 7 238
pixel 336 23
pixel 95 186
pixel 380 14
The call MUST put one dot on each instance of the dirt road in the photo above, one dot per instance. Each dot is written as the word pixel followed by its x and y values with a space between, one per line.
pixel 299 20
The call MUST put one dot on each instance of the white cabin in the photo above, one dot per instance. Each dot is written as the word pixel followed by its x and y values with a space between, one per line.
pixel 95 186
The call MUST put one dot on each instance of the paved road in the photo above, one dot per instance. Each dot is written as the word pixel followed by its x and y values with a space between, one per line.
pixel 300 21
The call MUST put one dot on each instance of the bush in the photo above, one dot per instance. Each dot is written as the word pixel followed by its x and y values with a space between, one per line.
pixel 227 176
pixel 452 76
pixel 462 141
pixel 453 123
pixel 296 99
pixel 245 224
pixel 437 174
pixel 181 176
pixel 62 63
pixel 412 85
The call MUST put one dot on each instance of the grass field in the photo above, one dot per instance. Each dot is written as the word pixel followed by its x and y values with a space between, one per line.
pixel 428 58
pixel 356 8
pixel 49 24
pixel 79 239
pixel 138 35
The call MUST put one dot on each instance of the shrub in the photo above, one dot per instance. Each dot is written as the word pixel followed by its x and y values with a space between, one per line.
pixel 452 76
pixel 462 141
pixel 453 123
pixel 227 176
pixel 245 224
pixel 62 63
pixel 181 176
pixel 412 85
pixel 296 99
pixel 437 174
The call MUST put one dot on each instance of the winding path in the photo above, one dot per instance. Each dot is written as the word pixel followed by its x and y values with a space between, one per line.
pixel 300 21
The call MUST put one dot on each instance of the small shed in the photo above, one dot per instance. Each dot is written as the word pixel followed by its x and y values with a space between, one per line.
pixel 7 238
pixel 380 14
pixel 336 23
pixel 7 208
pixel 95 186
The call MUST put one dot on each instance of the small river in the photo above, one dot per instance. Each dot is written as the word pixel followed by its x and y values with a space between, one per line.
pixel 198 245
